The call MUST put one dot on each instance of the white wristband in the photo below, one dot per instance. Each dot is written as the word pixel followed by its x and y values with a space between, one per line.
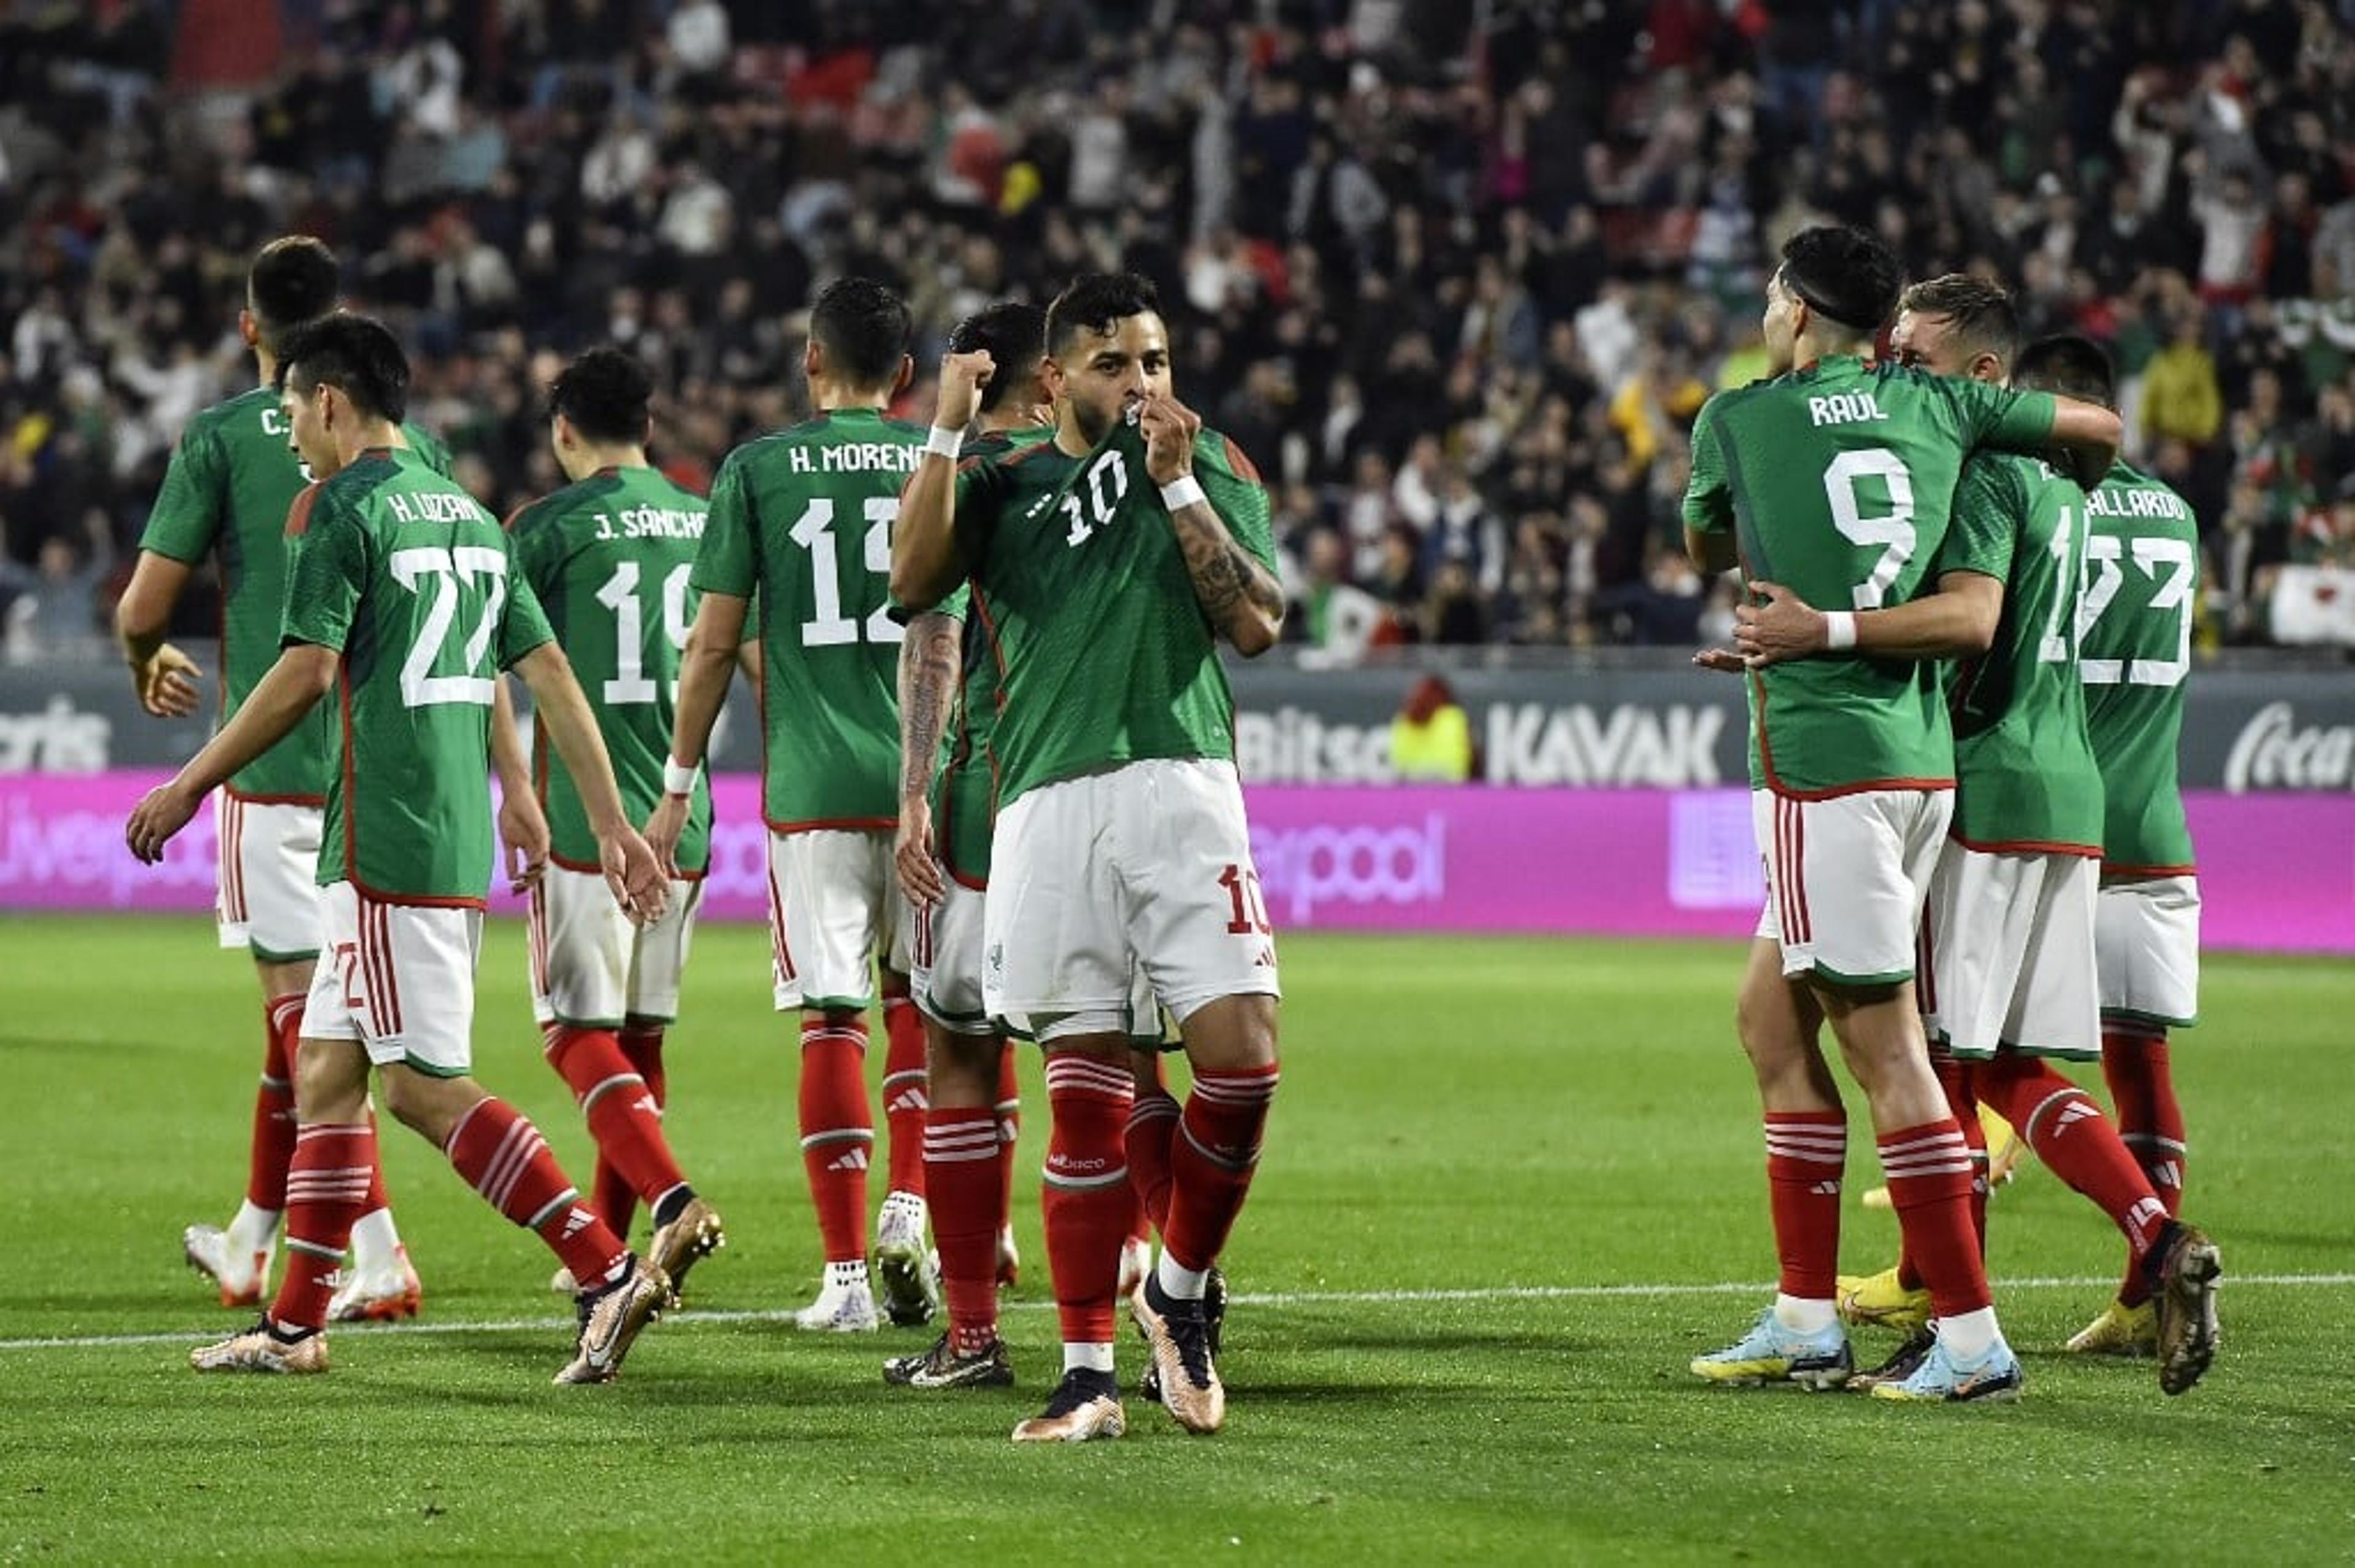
pixel 1839 629
pixel 678 778
pixel 942 441
pixel 1182 491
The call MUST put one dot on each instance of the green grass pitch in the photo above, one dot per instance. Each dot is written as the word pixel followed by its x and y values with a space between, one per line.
pixel 1510 1188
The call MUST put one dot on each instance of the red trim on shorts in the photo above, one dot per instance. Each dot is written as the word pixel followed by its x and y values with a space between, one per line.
pixel 779 949
pixel 835 823
pixel 417 901
pixel 314 800
pixel 2030 846
pixel 376 952
pixel 978 884
pixel 535 927
pixel 2145 873
pixel 351 795
pixel 232 861
pixel 593 870
pixel 1791 837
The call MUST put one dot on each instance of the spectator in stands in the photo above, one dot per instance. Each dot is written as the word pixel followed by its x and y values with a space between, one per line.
pixel 1431 738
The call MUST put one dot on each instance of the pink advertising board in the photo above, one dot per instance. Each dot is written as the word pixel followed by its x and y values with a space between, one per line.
pixel 2277 869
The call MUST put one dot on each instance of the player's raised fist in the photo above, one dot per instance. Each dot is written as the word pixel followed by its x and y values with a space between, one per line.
pixel 962 376
pixel 1168 427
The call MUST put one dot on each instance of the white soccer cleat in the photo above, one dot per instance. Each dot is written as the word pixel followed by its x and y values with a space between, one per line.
pixel 561 1282
pixel 844 1306
pixel 378 1296
pixel 257 1349
pixel 1136 1263
pixel 610 1320
pixel 1010 1258
pixel 240 1272
pixel 912 1290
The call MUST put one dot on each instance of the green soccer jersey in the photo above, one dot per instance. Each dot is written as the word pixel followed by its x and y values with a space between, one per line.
pixel 406 575
pixel 2134 633
pixel 227 490
pixel 801 520
pixel 1102 650
pixel 1837 481
pixel 609 559
pixel 2024 774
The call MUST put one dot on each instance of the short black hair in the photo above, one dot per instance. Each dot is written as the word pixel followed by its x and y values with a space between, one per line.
pixel 294 280
pixel 2072 366
pixel 1843 273
pixel 863 328
pixel 358 354
pixel 1015 335
pixel 1094 301
pixel 605 394
pixel 1979 314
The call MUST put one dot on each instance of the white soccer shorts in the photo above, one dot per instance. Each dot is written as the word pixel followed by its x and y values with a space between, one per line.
pixel 1146 868
pixel 590 966
pixel 398 979
pixel 945 979
pixel 2147 949
pixel 834 904
pixel 2010 940
pixel 269 899
pixel 1846 876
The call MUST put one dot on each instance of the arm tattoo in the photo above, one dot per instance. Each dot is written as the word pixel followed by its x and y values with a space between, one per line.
pixel 1229 581
pixel 930 669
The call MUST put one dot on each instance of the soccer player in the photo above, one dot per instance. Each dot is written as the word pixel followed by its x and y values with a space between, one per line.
pixel 609 557
pixel 401 596
pixel 802 517
pixel 2010 924
pixel 226 493
pixel 1106 564
pixel 1834 478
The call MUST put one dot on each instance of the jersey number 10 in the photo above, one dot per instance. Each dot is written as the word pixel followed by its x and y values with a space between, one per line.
pixel 629 683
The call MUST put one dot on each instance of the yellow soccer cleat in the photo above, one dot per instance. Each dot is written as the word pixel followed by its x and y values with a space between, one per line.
pixel 2006 1148
pixel 2120 1330
pixel 1876 1299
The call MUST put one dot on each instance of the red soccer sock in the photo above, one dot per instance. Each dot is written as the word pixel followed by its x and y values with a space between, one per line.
pixel 502 1156
pixel 621 1117
pixel 2141 1078
pixel 961 1161
pixel 1954 1076
pixel 1928 1168
pixel 1009 1122
pixel 378 1195
pixel 1212 1159
pixel 2068 1133
pixel 837 1133
pixel 642 1045
pixel 906 1092
pixel 272 1149
pixel 1084 1190
pixel 327 1192
pixel 1152 1140
pixel 1805 1152
pixel 612 1195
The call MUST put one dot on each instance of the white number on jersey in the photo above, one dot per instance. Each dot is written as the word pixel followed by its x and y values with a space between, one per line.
pixel 445 569
pixel 2069 583
pixel 830 627
pixel 1895 533
pixel 1104 506
pixel 629 683
pixel 2103 555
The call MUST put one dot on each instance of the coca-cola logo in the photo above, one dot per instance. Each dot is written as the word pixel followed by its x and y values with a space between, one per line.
pixel 2274 751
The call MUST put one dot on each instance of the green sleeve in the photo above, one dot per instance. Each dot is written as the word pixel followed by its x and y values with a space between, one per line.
pixel 728 561
pixel 187 515
pixel 1709 493
pixel 1988 505
pixel 979 483
pixel 2005 419
pixel 523 624
pixel 537 547
pixel 1236 494
pixel 326 569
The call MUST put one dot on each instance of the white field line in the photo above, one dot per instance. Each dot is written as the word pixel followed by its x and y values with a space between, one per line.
pixel 1268 1298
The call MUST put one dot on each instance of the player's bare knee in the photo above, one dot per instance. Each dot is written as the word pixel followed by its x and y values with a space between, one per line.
pixel 330 1081
pixel 1231 1034
pixel 428 1106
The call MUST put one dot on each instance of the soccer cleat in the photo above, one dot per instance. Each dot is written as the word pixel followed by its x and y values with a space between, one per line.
pixel 1214 1323
pixel 1994 1379
pixel 561 1282
pixel 207 1249
pixel 1902 1362
pixel 2004 1148
pixel 1178 1333
pixel 844 1304
pixel 257 1349
pixel 1876 1299
pixel 912 1290
pixel 942 1366
pixel 680 1245
pixel 611 1316
pixel 1009 1259
pixel 2120 1330
pixel 1771 1353
pixel 1085 1405
pixel 2183 1270
pixel 383 1295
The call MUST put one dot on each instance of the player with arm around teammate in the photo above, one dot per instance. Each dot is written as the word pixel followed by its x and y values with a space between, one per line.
pixel 226 493
pixel 609 557
pixel 1107 564
pixel 402 598
pixel 1834 478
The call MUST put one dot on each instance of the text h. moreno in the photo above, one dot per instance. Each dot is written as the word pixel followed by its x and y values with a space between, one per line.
pixel 1626 745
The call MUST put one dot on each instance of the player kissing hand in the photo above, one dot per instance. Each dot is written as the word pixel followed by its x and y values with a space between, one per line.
pixel 962 376
pixel 1168 427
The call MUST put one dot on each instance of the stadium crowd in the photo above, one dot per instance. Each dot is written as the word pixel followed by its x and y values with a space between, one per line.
pixel 1458 277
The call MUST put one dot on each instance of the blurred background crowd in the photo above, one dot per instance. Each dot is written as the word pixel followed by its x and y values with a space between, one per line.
pixel 1456 273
